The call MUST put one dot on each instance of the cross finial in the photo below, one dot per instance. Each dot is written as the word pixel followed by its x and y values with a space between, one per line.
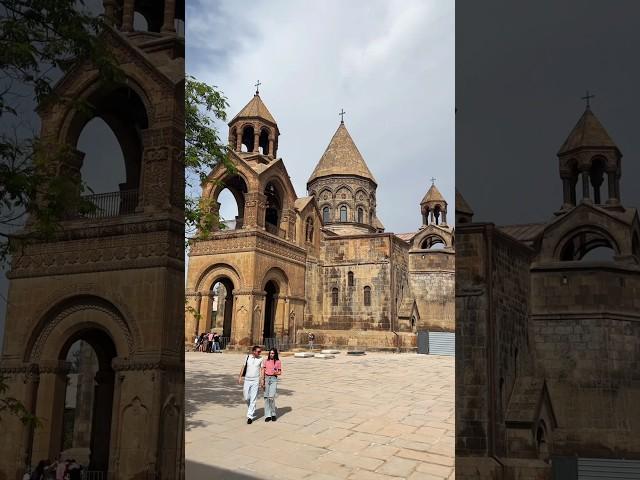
pixel 587 97
pixel 433 181
pixel 257 85
pixel 342 112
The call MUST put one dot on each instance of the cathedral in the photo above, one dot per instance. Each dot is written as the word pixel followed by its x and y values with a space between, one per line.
pixel 322 264
pixel 547 329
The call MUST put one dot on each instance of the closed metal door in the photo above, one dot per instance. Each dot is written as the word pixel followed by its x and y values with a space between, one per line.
pixel 442 343
pixel 423 343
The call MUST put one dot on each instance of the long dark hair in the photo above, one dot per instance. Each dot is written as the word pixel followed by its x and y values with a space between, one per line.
pixel 275 354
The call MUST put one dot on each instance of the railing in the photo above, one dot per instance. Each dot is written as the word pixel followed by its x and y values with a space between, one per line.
pixel 232 224
pixel 275 230
pixel 93 475
pixel 113 204
pixel 281 343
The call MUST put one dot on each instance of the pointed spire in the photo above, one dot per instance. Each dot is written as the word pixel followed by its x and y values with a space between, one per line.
pixel 341 157
pixel 588 132
pixel 255 109
pixel 433 194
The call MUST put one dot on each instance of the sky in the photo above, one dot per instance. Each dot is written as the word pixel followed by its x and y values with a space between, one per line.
pixel 521 70
pixel 388 64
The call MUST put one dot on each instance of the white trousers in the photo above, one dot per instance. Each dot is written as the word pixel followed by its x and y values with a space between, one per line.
pixel 250 393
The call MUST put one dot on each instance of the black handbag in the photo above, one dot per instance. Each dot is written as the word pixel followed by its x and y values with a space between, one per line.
pixel 244 370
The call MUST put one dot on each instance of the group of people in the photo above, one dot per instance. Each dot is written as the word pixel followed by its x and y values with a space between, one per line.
pixel 61 469
pixel 207 342
pixel 258 372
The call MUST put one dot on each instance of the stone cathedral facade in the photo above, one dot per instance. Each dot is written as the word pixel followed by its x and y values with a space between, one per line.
pixel 322 263
pixel 548 327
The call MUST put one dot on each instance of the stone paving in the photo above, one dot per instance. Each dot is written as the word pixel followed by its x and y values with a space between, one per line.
pixel 375 417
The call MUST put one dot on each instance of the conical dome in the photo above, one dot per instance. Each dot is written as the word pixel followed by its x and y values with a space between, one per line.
pixel 341 158
pixel 588 132
pixel 433 195
pixel 254 109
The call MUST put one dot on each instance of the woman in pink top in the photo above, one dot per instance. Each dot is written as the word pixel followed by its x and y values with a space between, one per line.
pixel 272 370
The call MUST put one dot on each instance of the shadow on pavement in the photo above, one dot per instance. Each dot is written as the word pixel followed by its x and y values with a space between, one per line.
pixel 219 389
pixel 199 471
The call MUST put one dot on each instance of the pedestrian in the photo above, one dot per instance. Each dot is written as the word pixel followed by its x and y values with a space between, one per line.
pixel 252 374
pixel 210 342
pixel 216 342
pixel 272 369
pixel 61 468
pixel 311 338
pixel 75 470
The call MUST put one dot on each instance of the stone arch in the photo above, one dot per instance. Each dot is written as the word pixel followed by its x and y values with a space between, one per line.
pixel 279 276
pixel 578 242
pixel 363 208
pixel 213 273
pixel 357 194
pixel 275 284
pixel 431 242
pixel 280 184
pixel 237 185
pixel 327 190
pixel 349 197
pixel 55 328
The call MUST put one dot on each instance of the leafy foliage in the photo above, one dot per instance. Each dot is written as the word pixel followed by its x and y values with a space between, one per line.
pixel 13 407
pixel 203 151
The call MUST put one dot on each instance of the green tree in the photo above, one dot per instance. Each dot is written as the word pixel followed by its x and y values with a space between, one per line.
pixel 203 151
pixel 40 40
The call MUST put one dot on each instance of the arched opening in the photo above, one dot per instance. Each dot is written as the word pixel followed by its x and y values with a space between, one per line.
pixel 343 213
pixel 436 214
pixel 263 144
pixel 334 296
pixel 140 23
pixel 367 296
pixel 88 399
pixel 588 245
pixel 221 309
pixel 152 12
pixel 432 242
pixel 273 210
pixel 326 215
pixel 103 166
pixel 109 134
pixel 541 441
pixel 596 176
pixel 272 290
pixel 360 215
pixel 308 235
pixel 231 198
pixel 635 245
pixel 248 138
pixel 350 279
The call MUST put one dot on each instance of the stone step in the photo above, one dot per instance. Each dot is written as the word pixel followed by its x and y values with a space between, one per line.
pixel 323 355
pixel 356 352
pixel 303 355
pixel 331 352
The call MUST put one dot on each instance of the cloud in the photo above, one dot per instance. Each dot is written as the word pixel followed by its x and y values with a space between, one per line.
pixel 389 64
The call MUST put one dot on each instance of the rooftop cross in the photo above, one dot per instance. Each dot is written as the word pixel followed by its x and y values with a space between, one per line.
pixel 257 85
pixel 342 112
pixel 433 181
pixel 587 97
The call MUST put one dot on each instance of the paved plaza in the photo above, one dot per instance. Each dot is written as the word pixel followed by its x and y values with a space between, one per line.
pixel 379 416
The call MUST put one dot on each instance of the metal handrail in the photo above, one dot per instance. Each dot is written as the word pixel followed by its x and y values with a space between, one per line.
pixel 112 204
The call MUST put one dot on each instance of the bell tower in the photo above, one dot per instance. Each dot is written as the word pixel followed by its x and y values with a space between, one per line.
pixel 586 158
pixel 433 207
pixel 254 130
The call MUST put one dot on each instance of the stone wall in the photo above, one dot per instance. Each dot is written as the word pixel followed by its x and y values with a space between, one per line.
pixel 432 282
pixel 492 288
pixel 585 328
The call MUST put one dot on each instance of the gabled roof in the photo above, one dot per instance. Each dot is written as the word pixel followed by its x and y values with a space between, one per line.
pixel 433 195
pixel 301 203
pixel 255 109
pixel 461 204
pixel 588 132
pixel 341 157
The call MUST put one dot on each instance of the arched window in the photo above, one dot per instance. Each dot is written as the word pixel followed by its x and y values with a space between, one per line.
pixel 360 215
pixel 334 296
pixel 350 279
pixel 367 296
pixel 325 215
pixel 343 213
pixel 309 230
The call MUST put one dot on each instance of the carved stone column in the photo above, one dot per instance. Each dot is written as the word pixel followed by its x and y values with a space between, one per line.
pixel 566 192
pixel 272 141
pixel 238 139
pixel 190 317
pixel 127 15
pixel 256 139
pixel 169 16
pixel 254 209
pixel 585 186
